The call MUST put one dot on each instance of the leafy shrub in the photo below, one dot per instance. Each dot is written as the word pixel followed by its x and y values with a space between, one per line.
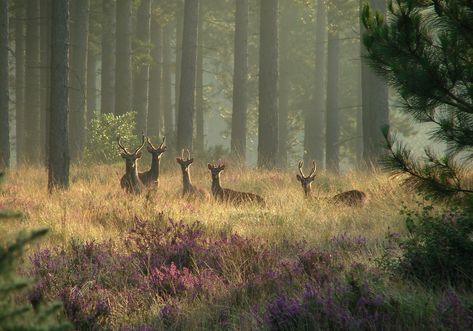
pixel 438 248
pixel 102 136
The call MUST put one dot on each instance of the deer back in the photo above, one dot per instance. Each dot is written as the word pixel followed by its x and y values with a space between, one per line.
pixel 353 198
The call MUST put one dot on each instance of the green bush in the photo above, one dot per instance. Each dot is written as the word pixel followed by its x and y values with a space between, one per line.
pixel 438 249
pixel 102 136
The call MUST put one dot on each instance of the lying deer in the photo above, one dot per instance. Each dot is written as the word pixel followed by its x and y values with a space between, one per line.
pixel 227 195
pixel 188 189
pixel 353 198
pixel 151 177
pixel 130 181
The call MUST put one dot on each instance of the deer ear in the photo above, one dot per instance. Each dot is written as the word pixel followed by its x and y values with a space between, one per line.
pixel 138 155
pixel 209 166
pixel 222 167
pixel 178 160
pixel 299 178
pixel 123 155
pixel 149 149
pixel 191 160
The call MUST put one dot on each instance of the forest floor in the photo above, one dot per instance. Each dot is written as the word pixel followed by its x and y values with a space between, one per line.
pixel 222 281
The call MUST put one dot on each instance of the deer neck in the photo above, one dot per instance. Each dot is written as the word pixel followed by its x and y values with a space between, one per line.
pixel 132 173
pixel 216 188
pixel 154 171
pixel 186 180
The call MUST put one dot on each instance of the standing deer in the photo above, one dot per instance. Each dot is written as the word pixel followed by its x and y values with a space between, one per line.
pixel 227 195
pixel 353 198
pixel 188 189
pixel 151 177
pixel 130 181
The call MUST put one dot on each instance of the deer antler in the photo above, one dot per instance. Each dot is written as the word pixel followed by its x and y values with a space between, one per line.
pixel 164 141
pixel 143 142
pixel 314 168
pixel 188 155
pixel 182 154
pixel 301 164
pixel 121 146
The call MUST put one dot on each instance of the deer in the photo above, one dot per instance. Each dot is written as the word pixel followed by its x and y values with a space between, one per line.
pixel 151 177
pixel 228 195
pixel 189 189
pixel 352 198
pixel 130 181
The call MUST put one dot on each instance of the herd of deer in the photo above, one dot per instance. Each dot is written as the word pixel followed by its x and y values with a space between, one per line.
pixel 136 182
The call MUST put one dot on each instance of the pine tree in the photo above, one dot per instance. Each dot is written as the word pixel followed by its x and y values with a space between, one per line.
pixel 424 51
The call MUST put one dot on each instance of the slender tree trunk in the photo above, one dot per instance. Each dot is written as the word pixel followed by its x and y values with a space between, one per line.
pixel 375 111
pixel 4 86
pixel 32 85
pixel 177 73
pixel 123 58
pixel 188 75
pixel 240 80
pixel 91 83
pixel 333 121
pixel 141 77
pixel 268 85
pixel 284 86
pixel 78 79
pixel 314 118
pixel 45 58
pixel 155 116
pixel 167 83
pixel 199 85
pixel 20 77
pixel 107 99
pixel 58 175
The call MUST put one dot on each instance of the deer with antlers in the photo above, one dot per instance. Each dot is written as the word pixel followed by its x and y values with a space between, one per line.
pixel 130 181
pixel 189 189
pixel 353 198
pixel 151 177
pixel 228 195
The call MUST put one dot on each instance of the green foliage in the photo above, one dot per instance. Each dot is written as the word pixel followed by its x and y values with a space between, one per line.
pixel 438 249
pixel 102 136
pixel 422 48
pixel 22 316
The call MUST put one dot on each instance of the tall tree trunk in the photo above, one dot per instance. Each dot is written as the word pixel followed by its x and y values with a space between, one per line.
pixel 107 88
pixel 188 74
pixel 167 83
pixel 284 86
pixel 177 73
pixel 45 58
pixel 123 58
pixel 58 174
pixel 374 102
pixel 78 79
pixel 314 118
pixel 4 86
pixel 155 116
pixel 20 13
pixel 333 121
pixel 240 80
pixel 199 85
pixel 141 77
pixel 268 85
pixel 32 85
pixel 91 83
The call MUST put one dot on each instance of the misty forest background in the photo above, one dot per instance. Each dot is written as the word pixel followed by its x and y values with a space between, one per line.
pixel 269 83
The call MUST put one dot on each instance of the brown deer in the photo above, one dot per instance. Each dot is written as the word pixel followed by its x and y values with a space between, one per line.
pixel 130 181
pixel 353 198
pixel 227 195
pixel 188 189
pixel 151 177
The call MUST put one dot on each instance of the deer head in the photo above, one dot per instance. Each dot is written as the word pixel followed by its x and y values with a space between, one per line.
pixel 157 152
pixel 216 169
pixel 306 181
pixel 184 161
pixel 130 158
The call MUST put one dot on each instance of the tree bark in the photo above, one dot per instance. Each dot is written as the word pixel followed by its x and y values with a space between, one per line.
pixel 78 79
pixel 20 13
pixel 107 100
pixel 123 58
pixel 178 52
pixel 188 75
pixel 4 88
pixel 167 84
pixel 240 80
pixel 32 85
pixel 91 84
pixel 141 76
pixel 284 86
pixel 314 124
pixel 268 85
pixel 199 85
pixel 155 116
pixel 333 121
pixel 45 58
pixel 58 174
pixel 375 105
